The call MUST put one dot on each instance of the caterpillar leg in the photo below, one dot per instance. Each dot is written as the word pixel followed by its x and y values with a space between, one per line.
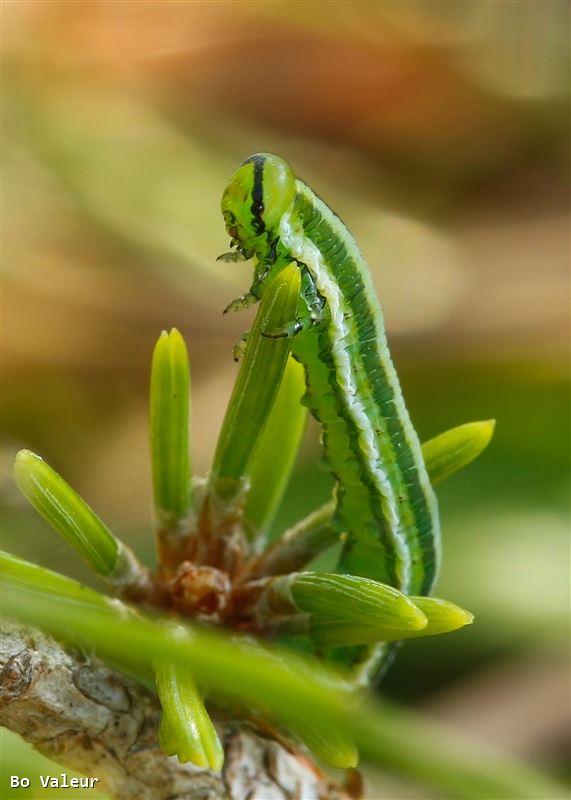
pixel 244 301
pixel 232 257
pixel 240 347
pixel 313 315
pixel 253 295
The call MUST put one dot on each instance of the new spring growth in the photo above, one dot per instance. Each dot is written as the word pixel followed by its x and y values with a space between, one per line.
pixel 330 745
pixel 41 581
pixel 273 459
pixel 186 731
pixel 256 386
pixel 442 616
pixel 450 451
pixel 169 429
pixel 346 610
pixel 356 607
pixel 73 519
pixel 169 413
pixel 352 609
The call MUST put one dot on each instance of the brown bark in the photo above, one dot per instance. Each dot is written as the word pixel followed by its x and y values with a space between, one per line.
pixel 80 713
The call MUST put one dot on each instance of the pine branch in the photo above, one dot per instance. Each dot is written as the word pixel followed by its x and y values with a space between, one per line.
pixel 77 711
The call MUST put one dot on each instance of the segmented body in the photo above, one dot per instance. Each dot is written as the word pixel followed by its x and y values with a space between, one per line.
pixel 385 502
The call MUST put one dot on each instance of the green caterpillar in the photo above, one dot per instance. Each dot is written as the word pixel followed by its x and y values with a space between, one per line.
pixel 385 504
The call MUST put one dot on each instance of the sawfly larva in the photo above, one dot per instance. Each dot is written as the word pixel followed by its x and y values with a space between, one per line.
pixel 385 504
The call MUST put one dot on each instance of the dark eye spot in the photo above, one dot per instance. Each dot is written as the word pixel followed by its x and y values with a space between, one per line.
pixel 257 209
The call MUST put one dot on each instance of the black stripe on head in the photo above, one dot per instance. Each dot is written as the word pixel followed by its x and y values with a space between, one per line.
pixel 257 207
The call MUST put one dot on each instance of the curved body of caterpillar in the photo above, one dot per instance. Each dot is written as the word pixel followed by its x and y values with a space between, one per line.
pixel 385 503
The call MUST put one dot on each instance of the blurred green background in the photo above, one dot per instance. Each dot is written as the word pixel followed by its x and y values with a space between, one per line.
pixel 439 132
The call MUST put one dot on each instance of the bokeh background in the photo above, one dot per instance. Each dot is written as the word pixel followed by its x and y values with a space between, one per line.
pixel 439 132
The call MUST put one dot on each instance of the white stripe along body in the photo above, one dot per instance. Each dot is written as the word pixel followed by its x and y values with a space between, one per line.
pixel 385 503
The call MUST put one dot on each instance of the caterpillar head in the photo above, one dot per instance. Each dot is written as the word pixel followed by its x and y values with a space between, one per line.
pixel 253 203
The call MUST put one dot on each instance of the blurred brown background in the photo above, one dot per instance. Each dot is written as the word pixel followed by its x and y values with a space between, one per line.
pixel 439 132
